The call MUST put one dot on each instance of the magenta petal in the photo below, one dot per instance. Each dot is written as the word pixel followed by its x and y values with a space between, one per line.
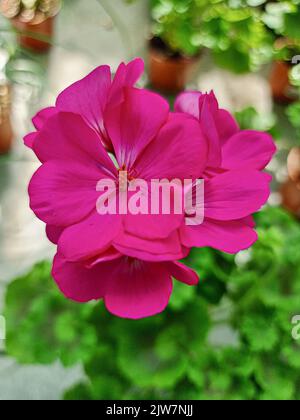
pixel 62 195
pixel 248 150
pixel 151 250
pixel 209 109
pixel 217 124
pixel 110 254
pixel 133 124
pixel 30 139
pixel 188 103
pixel 126 76
pixel 90 237
pixel 135 69
pixel 152 226
pixel 67 137
pixel 38 121
pixel 249 221
pixel 229 236
pixel 236 194
pixel 80 284
pixel 179 151
pixel 139 290
pixel 226 125
pixel 41 117
pixel 182 273
pixel 53 233
pixel 88 97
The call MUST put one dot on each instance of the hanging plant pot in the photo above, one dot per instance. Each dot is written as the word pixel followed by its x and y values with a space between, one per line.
pixel 168 71
pixel 6 132
pixel 36 35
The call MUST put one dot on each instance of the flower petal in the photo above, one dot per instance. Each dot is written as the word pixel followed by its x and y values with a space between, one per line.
pixel 229 236
pixel 248 150
pixel 218 125
pixel 134 123
pixel 39 121
pixel 41 117
pixel 150 249
pixel 53 233
pixel 188 103
pixel 62 195
pixel 126 76
pixel 79 283
pixel 209 108
pixel 90 237
pixel 236 194
pixel 150 226
pixel 29 140
pixel 110 254
pixel 249 221
pixel 179 151
pixel 139 290
pixel 155 226
pixel 88 97
pixel 226 125
pixel 182 273
pixel 67 137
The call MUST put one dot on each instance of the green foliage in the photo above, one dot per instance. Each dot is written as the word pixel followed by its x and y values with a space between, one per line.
pixel 234 31
pixel 60 325
pixel 293 111
pixel 249 118
pixel 173 355
pixel 283 17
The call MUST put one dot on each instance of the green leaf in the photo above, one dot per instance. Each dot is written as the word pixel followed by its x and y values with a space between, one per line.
pixel 80 392
pixel 260 333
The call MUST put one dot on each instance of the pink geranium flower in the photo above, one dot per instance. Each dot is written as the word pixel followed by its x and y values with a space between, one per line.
pixel 235 185
pixel 148 142
pixel 130 288
pixel 100 127
pixel 126 260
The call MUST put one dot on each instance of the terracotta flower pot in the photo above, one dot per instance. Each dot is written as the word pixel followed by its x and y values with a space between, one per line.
pixel 294 165
pixel 6 132
pixel 282 90
pixel 41 31
pixel 290 194
pixel 169 73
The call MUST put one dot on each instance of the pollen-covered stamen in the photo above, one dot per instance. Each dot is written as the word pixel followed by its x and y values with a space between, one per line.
pixel 124 178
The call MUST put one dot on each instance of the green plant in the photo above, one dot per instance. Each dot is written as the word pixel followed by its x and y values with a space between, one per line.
pixel 293 111
pixel 174 355
pixel 283 18
pixel 249 118
pixel 233 31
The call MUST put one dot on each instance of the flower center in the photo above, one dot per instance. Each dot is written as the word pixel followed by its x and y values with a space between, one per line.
pixel 124 178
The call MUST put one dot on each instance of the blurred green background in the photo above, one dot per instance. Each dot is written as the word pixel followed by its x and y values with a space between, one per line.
pixel 231 336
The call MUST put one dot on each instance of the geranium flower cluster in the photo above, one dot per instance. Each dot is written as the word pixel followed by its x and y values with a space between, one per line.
pixel 102 125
